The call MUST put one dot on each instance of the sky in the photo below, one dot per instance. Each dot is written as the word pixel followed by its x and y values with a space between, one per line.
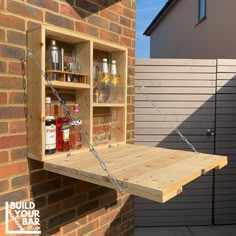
pixel 146 11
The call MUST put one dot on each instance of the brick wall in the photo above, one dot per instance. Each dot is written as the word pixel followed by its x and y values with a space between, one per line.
pixel 67 206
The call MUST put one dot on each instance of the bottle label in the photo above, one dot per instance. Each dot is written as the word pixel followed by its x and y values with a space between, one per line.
pixel 65 128
pixel 50 137
pixel 115 80
pixel 105 79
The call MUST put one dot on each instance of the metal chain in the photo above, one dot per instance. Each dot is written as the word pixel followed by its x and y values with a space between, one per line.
pixel 165 118
pixel 67 111
pixel 24 85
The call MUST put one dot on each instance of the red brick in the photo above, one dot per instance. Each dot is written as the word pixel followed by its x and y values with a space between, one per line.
pixel 49 5
pixel 94 215
pixel 74 201
pixel 12 141
pixel 2 35
pixel 24 10
pixel 101 231
pixel 128 12
pixel 12 21
pixel 108 198
pixel 10 82
pixel 129 32
pixel 11 112
pixel 15 68
pixel 31 24
pixel 4 185
pixel 109 217
pixel 3 156
pixel 115 28
pixel 107 35
pixel 60 195
pixel 3 98
pixel 109 15
pixel 128 232
pixel 12 169
pixel 125 21
pixel 14 196
pixel 18 154
pixel 16 38
pixel 2 217
pixel 16 98
pixel 86 5
pixel 20 181
pixel 59 20
pixel 37 177
pixel 49 211
pixel 127 3
pixel 35 165
pixel 71 234
pixel 17 126
pixel 88 228
pixel 125 41
pixel 117 8
pixel 74 224
pixel 3 65
pixel 3 127
pixel 96 20
pixel 61 219
pixel 68 10
pixel 11 52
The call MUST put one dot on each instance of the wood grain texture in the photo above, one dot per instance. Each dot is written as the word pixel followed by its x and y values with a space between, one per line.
pixel 154 173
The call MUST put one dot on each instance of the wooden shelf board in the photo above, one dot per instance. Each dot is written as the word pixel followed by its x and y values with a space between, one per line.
pixel 154 173
pixel 108 104
pixel 73 85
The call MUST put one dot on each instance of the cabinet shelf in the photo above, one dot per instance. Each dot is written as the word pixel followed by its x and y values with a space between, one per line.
pixel 108 104
pixel 70 85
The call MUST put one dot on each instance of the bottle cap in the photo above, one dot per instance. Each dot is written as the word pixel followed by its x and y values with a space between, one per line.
pixel 113 61
pixel 48 100
pixel 104 59
pixel 53 42
pixel 76 107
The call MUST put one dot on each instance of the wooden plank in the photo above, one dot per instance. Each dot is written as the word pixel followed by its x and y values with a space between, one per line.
pixel 175 76
pixel 228 62
pixel 199 118
pixel 175 111
pixel 175 69
pixel 226 68
pixel 178 90
pixel 177 104
pixel 171 169
pixel 175 97
pixel 179 61
pixel 174 83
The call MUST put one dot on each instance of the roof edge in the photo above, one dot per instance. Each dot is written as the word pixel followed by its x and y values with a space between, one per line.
pixel 160 16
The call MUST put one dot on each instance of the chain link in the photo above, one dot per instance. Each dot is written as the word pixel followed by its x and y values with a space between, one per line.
pixel 84 137
pixel 24 85
pixel 165 118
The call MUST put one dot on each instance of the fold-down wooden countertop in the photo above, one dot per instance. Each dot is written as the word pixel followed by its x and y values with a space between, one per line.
pixel 154 173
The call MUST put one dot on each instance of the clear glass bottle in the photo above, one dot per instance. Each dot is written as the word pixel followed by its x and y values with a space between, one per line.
pixel 63 130
pixel 115 84
pixel 50 128
pixel 75 137
pixel 104 83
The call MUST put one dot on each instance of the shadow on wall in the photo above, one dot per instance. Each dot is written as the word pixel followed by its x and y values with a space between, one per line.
pixel 68 205
pixel 85 8
pixel 192 105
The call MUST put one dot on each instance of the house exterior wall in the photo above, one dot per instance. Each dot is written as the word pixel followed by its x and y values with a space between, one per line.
pixel 180 36
pixel 67 206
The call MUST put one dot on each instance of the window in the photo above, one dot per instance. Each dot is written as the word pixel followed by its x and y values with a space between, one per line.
pixel 202 10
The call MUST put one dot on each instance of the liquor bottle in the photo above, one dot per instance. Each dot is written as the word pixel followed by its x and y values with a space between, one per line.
pixel 63 130
pixel 75 137
pixel 50 128
pixel 104 83
pixel 95 83
pixel 114 87
pixel 53 59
